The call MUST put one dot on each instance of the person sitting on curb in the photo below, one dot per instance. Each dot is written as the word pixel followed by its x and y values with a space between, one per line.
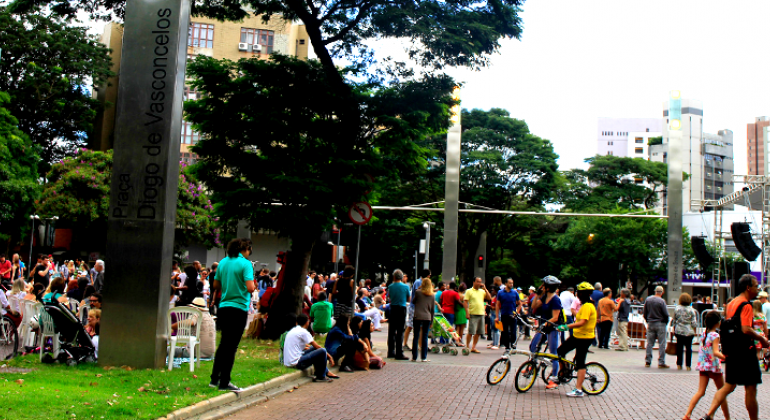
pixel 341 342
pixel 301 352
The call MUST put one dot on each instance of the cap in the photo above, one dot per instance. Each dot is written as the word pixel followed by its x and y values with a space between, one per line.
pixel 531 287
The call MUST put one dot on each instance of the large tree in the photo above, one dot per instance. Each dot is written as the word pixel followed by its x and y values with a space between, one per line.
pixel 78 192
pixel 46 65
pixel 18 175
pixel 274 148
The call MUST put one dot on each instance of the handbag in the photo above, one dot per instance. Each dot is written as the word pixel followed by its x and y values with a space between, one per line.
pixel 671 348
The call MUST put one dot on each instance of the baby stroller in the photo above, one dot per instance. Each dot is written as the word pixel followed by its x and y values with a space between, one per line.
pixel 441 328
pixel 75 345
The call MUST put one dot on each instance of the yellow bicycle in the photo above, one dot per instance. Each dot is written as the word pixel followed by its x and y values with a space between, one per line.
pixel 596 381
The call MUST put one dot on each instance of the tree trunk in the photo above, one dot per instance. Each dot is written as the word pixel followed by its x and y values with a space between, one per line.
pixel 288 303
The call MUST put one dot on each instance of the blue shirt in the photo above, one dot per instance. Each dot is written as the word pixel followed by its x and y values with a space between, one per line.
pixel 415 287
pixel 232 274
pixel 596 296
pixel 546 309
pixel 397 292
pixel 335 338
pixel 508 301
pixel 437 306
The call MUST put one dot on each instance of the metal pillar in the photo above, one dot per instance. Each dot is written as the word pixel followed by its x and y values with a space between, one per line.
pixel 716 270
pixel 143 197
pixel 426 260
pixel 765 231
pixel 452 194
pixel 675 155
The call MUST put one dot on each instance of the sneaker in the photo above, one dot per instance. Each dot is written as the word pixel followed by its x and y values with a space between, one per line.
pixel 663 366
pixel 494 348
pixel 552 385
pixel 407 348
pixel 426 360
pixel 231 387
pixel 553 379
pixel 576 393
pixel 214 384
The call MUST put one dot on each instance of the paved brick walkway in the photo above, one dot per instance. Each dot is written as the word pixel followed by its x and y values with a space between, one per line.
pixel 454 387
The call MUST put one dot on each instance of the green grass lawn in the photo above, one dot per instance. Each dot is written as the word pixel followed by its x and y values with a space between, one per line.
pixel 90 391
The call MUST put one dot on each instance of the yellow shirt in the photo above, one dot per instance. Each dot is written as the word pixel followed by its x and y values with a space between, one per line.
pixel 587 311
pixel 475 300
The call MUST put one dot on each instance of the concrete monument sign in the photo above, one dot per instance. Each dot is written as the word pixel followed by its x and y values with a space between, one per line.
pixel 145 174
pixel 674 197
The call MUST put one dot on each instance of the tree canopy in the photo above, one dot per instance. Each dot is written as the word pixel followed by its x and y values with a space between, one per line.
pixel 78 192
pixel 46 66
pixel 611 182
pixel 18 173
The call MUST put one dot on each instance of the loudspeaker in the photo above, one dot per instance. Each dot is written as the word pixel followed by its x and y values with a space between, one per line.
pixel 701 252
pixel 739 269
pixel 743 241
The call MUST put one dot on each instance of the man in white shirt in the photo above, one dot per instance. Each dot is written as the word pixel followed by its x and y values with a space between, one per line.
pixel 301 352
pixel 310 279
pixel 567 297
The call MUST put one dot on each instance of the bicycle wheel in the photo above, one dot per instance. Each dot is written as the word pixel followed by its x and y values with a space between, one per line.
pixel 498 370
pixel 526 376
pixel 597 379
pixel 9 339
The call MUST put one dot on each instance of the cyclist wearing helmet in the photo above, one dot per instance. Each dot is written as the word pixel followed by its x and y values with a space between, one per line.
pixel 582 335
pixel 547 305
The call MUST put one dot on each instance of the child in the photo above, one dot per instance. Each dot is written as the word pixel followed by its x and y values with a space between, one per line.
pixel 709 364
pixel 760 326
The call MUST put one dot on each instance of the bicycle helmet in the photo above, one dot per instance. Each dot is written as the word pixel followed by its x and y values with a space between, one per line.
pixel 585 286
pixel 551 281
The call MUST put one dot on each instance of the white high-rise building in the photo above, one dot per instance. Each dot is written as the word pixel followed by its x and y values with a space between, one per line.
pixel 626 137
pixel 707 158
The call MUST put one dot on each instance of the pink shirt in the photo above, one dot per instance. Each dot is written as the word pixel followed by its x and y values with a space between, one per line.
pixel 576 306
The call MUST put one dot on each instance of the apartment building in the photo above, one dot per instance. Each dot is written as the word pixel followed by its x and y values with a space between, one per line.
pixel 707 158
pixel 626 137
pixel 756 139
pixel 248 38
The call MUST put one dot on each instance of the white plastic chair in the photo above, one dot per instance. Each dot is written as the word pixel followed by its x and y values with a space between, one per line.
pixel 47 329
pixel 186 333
pixel 29 309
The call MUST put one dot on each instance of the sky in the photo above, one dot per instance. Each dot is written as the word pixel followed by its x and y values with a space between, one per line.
pixel 581 60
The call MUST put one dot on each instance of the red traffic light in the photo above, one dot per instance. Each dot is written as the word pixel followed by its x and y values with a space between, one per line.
pixel 481 261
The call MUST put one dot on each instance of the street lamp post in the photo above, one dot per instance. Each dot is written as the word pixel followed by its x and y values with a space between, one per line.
pixel 426 261
pixel 32 234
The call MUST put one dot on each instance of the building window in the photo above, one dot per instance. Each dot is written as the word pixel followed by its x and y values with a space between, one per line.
pixel 639 140
pixel 189 136
pixel 258 37
pixel 638 150
pixel 200 35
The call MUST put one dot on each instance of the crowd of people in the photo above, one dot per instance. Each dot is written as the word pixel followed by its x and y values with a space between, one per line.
pixel 71 282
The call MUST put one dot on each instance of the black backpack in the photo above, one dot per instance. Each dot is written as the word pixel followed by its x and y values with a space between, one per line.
pixel 734 342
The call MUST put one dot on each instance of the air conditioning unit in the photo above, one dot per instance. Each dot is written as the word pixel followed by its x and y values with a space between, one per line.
pixel 242 46
pixel 256 48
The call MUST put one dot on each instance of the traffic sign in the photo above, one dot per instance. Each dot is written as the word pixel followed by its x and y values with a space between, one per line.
pixel 360 213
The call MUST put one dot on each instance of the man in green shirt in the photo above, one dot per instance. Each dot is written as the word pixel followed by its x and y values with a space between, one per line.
pixel 235 277
pixel 321 314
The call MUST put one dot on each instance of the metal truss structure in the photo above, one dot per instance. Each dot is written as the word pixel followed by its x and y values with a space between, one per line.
pixel 755 195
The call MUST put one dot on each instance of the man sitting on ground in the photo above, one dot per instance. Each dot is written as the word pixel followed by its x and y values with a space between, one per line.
pixel 301 352
pixel 321 314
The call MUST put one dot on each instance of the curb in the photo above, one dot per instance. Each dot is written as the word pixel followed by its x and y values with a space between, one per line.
pixel 252 395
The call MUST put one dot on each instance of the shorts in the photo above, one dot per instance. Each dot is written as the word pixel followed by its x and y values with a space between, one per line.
pixel 450 318
pixel 476 325
pixel 580 345
pixel 410 316
pixel 743 370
